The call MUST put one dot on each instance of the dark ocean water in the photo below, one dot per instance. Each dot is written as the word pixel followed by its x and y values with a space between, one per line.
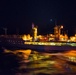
pixel 18 63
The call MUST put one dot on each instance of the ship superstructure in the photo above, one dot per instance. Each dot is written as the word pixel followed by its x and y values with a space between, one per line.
pixel 56 36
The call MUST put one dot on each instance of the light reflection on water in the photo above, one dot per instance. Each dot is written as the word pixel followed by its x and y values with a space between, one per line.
pixel 38 63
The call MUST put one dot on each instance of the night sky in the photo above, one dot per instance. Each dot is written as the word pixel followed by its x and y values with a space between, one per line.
pixel 18 15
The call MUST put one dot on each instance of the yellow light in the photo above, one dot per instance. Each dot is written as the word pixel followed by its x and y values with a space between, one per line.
pixel 61 26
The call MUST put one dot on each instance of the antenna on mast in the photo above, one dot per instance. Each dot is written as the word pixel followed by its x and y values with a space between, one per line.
pixel 5 30
pixel 32 25
pixel 55 22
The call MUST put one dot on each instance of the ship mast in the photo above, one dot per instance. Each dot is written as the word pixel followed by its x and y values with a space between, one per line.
pixel 34 32
pixel 5 30
pixel 57 32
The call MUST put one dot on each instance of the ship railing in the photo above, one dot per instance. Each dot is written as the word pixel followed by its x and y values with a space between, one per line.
pixel 50 43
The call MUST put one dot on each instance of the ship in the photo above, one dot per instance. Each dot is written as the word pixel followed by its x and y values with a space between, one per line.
pixel 55 45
